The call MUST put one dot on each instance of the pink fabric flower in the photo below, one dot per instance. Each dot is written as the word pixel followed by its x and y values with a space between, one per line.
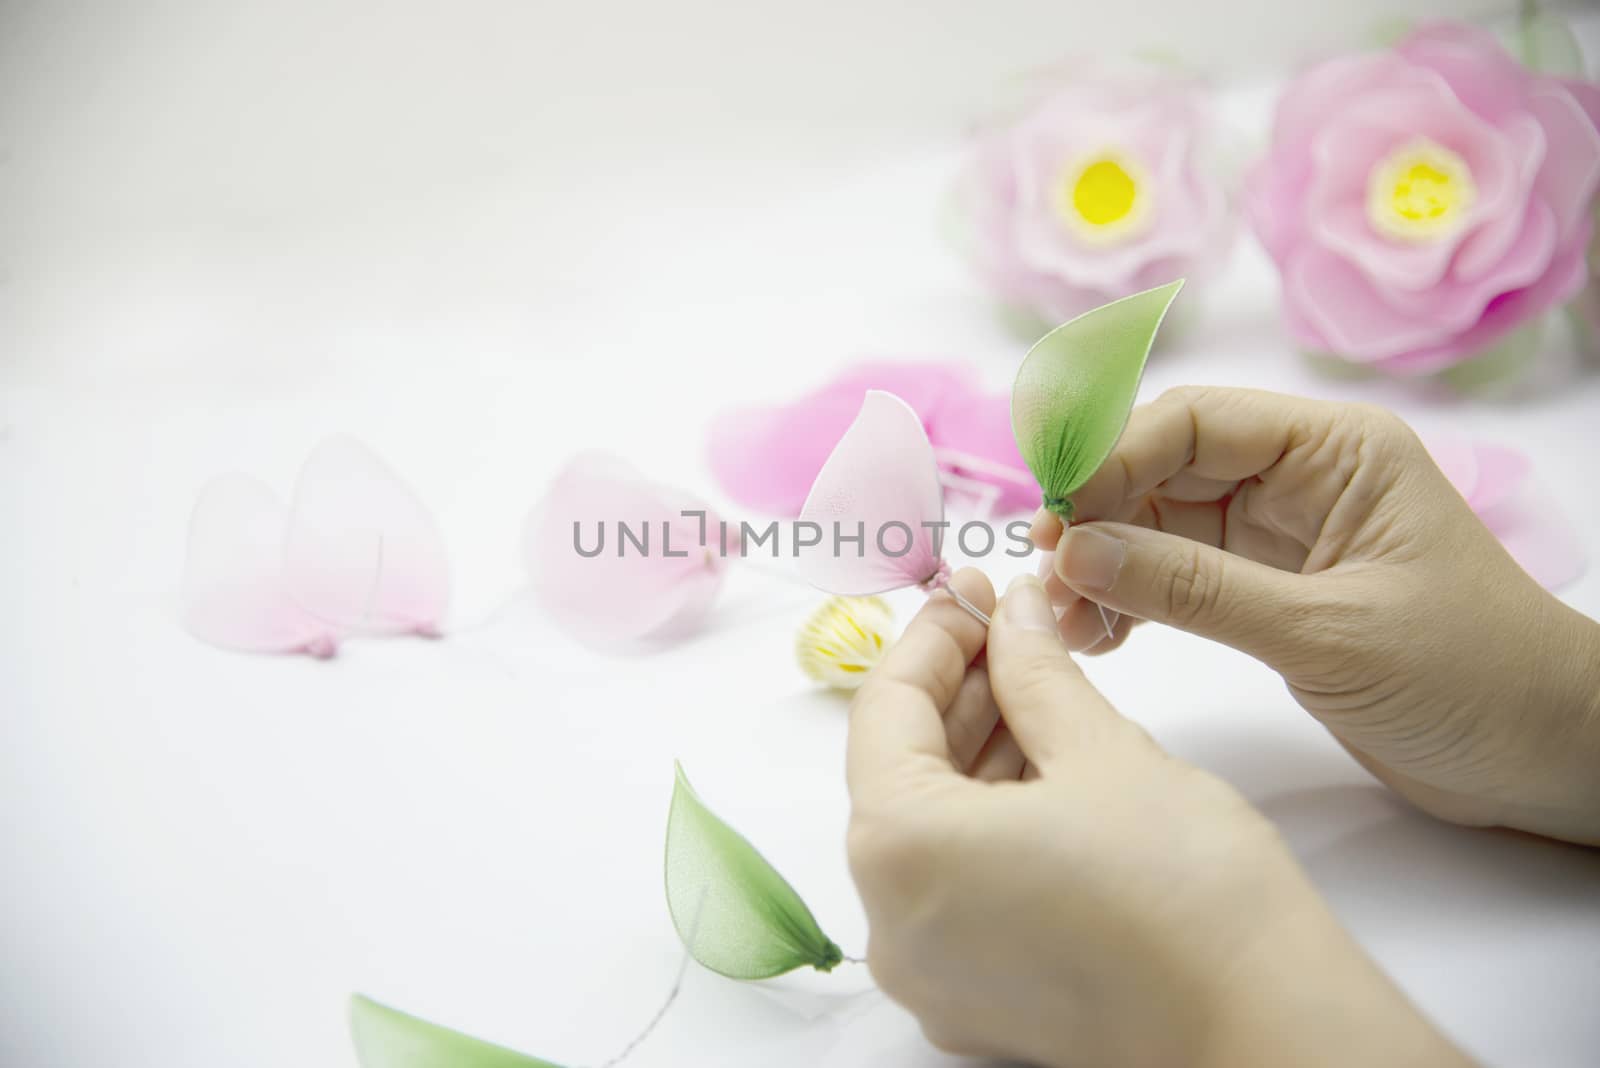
pixel 1422 202
pixel 1099 190
pixel 1498 485
pixel 766 458
pixel 605 589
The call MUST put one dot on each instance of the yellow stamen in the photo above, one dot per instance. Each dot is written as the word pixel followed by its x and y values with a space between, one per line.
pixel 1420 192
pixel 1104 198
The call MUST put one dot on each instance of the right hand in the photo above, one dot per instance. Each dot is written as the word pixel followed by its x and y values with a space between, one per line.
pixel 1321 539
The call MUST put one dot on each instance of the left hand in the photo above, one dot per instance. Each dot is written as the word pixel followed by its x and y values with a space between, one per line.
pixel 1043 883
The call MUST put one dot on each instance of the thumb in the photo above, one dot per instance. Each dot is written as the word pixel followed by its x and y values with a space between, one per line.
pixel 1186 584
pixel 1050 708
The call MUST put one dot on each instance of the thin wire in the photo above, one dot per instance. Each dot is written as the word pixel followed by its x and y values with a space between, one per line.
pixel 1109 619
pixel 972 610
pixel 988 467
pixel 672 995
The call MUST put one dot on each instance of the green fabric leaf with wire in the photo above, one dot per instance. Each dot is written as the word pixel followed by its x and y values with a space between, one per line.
pixel 733 911
pixel 1076 387
pixel 389 1038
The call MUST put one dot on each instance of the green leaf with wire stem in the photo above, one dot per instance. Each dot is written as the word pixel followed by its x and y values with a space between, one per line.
pixel 733 911
pixel 1076 387
pixel 389 1038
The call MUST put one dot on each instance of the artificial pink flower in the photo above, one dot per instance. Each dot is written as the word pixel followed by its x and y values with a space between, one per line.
pixel 354 553
pixel 1422 202
pixel 614 589
pixel 1497 483
pixel 1102 188
pixel 766 458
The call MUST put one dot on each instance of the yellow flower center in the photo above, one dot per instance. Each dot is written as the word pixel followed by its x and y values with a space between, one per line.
pixel 1420 192
pixel 1104 198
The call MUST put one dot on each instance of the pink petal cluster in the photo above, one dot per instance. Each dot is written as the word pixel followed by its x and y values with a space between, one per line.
pixel 1019 238
pixel 766 458
pixel 1517 247
pixel 615 594
pixel 1498 485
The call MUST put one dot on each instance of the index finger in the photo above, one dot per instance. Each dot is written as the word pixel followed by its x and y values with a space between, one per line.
pixel 896 721
pixel 1218 435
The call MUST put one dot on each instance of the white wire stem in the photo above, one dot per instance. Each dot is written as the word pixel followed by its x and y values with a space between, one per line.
pixel 972 610
pixel 677 986
pixel 986 493
pixel 957 458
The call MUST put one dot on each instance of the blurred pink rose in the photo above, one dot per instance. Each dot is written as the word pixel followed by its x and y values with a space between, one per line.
pixel 1100 189
pixel 1422 202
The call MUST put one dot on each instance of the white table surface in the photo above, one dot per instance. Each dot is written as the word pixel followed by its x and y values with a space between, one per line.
pixel 204 853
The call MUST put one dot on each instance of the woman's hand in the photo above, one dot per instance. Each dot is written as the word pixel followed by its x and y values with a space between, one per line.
pixel 1043 883
pixel 1321 539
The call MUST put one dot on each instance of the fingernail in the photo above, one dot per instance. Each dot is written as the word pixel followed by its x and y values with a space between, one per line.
pixel 1089 559
pixel 1033 525
pixel 1028 606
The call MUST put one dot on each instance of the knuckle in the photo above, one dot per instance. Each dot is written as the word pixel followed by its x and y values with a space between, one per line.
pixel 1190 587
pixel 888 854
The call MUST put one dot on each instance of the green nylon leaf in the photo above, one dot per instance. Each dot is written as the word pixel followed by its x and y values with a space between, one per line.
pixel 1076 387
pixel 389 1038
pixel 732 909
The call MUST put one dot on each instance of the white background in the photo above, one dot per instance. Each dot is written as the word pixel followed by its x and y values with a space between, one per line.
pixel 479 237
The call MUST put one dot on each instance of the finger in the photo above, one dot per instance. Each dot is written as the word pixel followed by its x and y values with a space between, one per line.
pixel 1054 588
pixel 1045 529
pixel 1119 634
pixel 971 718
pixel 1209 435
pixel 1001 759
pixel 1044 699
pixel 896 720
pixel 1255 608
pixel 1083 627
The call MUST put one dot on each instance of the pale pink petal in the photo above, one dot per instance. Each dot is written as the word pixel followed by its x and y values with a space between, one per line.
pixel 1457 457
pixel 1341 305
pixel 1566 277
pixel 1303 109
pixel 361 550
pixel 1529 522
pixel 1567 182
pixel 1454 304
pixel 1481 73
pixel 1497 232
pixel 656 581
pixel 881 482
pixel 1538 535
pixel 1501 473
pixel 766 458
pixel 233 585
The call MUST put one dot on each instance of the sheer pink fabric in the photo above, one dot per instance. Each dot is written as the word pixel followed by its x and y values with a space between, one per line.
pixel 630 588
pixel 880 482
pixel 1498 485
pixel 356 553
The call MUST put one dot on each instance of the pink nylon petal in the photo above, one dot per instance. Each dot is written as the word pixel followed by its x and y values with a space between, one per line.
pixel 233 590
pixel 1539 536
pixel 880 477
pixel 621 595
pixel 361 550
pixel 767 458
pixel 1496 483
pixel 1501 473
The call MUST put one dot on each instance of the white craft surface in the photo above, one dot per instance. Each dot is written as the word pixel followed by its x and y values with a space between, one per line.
pixel 476 244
